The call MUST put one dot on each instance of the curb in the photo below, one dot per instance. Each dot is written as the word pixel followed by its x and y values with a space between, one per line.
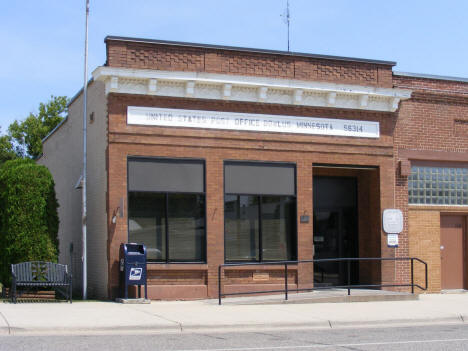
pixel 169 329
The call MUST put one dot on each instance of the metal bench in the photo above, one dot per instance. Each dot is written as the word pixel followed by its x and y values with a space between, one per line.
pixel 36 274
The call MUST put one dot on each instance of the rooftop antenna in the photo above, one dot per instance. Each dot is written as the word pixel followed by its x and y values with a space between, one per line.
pixel 287 18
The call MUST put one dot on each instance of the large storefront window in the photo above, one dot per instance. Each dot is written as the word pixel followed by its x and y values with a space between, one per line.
pixel 260 212
pixel 438 185
pixel 166 209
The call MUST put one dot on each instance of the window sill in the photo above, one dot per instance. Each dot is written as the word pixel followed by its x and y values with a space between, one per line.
pixel 279 267
pixel 451 208
pixel 154 266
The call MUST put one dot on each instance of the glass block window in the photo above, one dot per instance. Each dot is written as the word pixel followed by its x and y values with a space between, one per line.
pixel 438 186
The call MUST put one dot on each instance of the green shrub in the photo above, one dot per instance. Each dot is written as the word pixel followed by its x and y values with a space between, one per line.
pixel 28 215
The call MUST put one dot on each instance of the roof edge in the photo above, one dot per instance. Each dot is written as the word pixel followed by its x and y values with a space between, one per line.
pixel 55 129
pixel 72 100
pixel 430 76
pixel 245 49
pixel 74 97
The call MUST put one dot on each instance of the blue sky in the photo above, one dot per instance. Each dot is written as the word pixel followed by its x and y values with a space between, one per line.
pixel 42 41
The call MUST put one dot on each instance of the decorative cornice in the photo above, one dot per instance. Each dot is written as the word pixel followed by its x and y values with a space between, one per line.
pixel 429 96
pixel 430 155
pixel 201 85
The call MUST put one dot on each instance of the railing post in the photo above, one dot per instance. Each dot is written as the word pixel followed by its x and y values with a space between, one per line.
pixel 285 281
pixel 425 273
pixel 349 276
pixel 412 276
pixel 219 285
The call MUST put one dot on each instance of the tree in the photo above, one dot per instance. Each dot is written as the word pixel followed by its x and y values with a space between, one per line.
pixel 26 136
pixel 7 150
pixel 28 215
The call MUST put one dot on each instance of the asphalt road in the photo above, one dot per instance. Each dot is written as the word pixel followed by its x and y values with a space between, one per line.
pixel 444 337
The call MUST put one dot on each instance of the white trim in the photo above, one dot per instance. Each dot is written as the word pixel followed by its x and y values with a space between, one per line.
pixel 298 96
pixel 203 85
pixel 189 88
pixel 152 86
pixel 227 90
pixel 114 83
pixel 363 100
pixel 331 98
pixel 262 94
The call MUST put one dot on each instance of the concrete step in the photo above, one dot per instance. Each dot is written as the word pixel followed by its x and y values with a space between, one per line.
pixel 327 296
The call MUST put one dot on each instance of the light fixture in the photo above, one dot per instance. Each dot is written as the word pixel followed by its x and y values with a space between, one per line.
pixel 114 215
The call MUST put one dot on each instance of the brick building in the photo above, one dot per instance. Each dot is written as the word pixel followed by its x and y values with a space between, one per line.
pixel 211 154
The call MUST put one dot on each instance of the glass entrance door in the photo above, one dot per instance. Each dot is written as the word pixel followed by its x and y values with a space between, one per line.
pixel 335 229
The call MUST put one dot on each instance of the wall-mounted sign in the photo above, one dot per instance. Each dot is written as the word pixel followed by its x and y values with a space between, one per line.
pixel 251 122
pixel 260 276
pixel 392 221
pixel 392 240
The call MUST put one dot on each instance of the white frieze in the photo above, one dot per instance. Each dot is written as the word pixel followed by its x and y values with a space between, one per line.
pixel 201 85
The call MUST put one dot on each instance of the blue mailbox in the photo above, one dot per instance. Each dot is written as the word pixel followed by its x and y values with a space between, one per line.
pixel 132 268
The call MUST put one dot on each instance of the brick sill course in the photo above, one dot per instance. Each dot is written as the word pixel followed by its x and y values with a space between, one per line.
pixel 444 208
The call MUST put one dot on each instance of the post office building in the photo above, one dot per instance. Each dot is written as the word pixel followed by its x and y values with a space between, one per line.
pixel 212 155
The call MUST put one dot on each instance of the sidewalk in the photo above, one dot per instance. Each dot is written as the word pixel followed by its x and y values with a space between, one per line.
pixel 206 315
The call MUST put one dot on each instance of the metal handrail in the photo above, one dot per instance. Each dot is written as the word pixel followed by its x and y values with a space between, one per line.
pixel 348 286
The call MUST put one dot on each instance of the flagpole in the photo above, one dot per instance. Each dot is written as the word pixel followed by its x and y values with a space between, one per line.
pixel 84 258
pixel 287 19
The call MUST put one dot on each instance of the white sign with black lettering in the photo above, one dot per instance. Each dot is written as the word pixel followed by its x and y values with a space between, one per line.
pixel 251 122
pixel 392 240
pixel 392 221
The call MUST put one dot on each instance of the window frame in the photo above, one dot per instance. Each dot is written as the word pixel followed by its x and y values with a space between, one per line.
pixel 434 164
pixel 166 204
pixel 295 250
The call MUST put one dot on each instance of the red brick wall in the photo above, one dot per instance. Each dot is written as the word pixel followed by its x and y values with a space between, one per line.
pixel 434 119
pixel 196 59
pixel 425 244
pixel 435 85
pixel 430 126
pixel 215 146
pixel 427 121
